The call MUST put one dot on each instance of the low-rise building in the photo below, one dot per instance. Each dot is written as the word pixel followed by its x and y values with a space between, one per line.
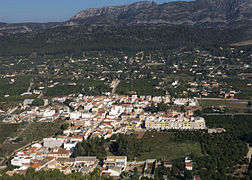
pixel 116 161
pixel 53 142
pixel 161 122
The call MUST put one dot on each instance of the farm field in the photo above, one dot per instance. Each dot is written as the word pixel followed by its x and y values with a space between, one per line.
pixel 163 146
pixel 234 105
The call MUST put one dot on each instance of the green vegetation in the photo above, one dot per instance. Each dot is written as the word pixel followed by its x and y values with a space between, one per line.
pixel 240 86
pixel 53 175
pixel 222 152
pixel 92 147
pixel 89 87
pixel 159 145
pixel 127 146
pixel 159 107
pixel 12 101
pixel 66 40
pixel 234 106
pixel 162 145
pixel 140 86
pixel 38 102
pixel 249 175
pixel 7 130
pixel 35 131
pixel 20 85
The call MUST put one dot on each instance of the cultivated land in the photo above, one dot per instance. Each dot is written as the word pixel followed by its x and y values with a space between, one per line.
pixel 233 105
pixel 7 130
pixel 163 146
pixel 35 131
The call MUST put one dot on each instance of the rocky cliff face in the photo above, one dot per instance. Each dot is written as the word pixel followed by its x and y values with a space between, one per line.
pixel 199 12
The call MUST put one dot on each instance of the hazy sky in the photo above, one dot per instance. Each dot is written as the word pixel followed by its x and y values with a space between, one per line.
pixel 51 10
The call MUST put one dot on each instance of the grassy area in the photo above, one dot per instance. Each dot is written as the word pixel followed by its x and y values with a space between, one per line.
pixel 237 106
pixel 141 86
pixel 163 146
pixel 240 85
pixel 7 130
pixel 38 131
pixel 35 131
pixel 90 87
pixel 20 86
pixel 12 101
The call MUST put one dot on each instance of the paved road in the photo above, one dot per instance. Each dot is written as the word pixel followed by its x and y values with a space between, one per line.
pixel 12 110
pixel 40 95
pixel 29 88
pixel 216 68
pixel 114 89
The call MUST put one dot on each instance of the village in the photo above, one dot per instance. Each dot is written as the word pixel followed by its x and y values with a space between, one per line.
pixel 99 116
pixel 103 96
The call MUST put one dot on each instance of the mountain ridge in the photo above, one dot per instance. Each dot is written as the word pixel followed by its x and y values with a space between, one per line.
pixel 203 13
pixel 200 13
pixel 141 25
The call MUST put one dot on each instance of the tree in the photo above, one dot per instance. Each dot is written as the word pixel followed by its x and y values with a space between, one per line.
pixel 38 102
pixel 197 113
pixel 182 108
pixel 64 126
pixel 135 175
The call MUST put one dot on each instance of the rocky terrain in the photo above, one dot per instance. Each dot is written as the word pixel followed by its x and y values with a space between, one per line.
pixel 210 13
pixel 203 13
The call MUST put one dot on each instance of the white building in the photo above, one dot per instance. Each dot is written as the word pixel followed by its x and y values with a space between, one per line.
pixel 21 160
pixel 116 110
pixel 75 115
pixel 70 145
pixel 176 122
pixel 48 113
pixel 186 101
pixel 53 142
pixel 116 161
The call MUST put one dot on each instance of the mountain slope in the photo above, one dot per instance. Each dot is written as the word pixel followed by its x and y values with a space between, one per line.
pixel 200 12
pixel 137 26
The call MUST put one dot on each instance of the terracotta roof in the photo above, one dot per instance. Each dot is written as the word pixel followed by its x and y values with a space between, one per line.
pixel 64 168
pixel 35 165
pixel 188 165
pixel 61 151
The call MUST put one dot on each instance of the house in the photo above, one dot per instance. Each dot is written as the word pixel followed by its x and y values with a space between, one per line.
pixel 116 161
pixel 113 172
pixel 86 160
pixel 66 169
pixel 60 153
pixel 48 113
pixel 53 142
pixel 42 164
pixel 70 145
pixel 66 161
pixel 189 166
pixel 21 160
pixel 167 164
pixel 27 102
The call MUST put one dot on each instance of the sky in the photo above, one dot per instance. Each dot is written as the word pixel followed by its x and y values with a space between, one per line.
pixel 13 11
